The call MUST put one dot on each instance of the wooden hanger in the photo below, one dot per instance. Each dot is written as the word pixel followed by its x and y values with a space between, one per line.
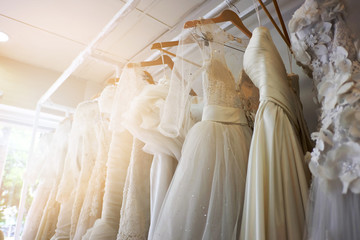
pixel 226 16
pixel 112 81
pixel 163 59
pixel 285 38
pixel 159 46
pixel 148 77
pixel 281 20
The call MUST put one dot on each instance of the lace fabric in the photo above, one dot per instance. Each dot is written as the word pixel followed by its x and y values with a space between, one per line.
pixel 79 161
pixel 92 204
pixel 135 209
pixel 130 85
pixel 249 97
pixel 50 169
pixel 218 83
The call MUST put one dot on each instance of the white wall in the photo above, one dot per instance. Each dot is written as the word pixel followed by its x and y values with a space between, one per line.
pixel 22 85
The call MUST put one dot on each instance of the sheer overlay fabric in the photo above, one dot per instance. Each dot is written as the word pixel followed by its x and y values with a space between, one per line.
pixel 205 197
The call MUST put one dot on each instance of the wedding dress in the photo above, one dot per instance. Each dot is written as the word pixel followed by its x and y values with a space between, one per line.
pixel 142 120
pixel 92 205
pixel 135 209
pixel 59 146
pixel 278 178
pixel 41 155
pixel 119 157
pixel 130 85
pixel 205 197
pixel 80 159
pixel 325 47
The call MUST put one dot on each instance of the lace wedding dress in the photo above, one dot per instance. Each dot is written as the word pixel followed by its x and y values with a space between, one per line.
pixel 92 205
pixel 80 159
pixel 325 47
pixel 278 178
pixel 205 197
pixel 130 85
pixel 40 159
pixel 59 146
pixel 135 209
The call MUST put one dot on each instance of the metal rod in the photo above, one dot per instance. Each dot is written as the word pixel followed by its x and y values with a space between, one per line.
pixel 58 107
pixel 24 188
pixel 227 25
pixel 125 10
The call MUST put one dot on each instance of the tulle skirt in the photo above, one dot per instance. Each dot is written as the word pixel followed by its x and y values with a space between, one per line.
pixel 36 210
pixel 332 215
pixel 205 198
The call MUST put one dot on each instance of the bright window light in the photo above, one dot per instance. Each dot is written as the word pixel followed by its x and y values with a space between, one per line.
pixel 3 37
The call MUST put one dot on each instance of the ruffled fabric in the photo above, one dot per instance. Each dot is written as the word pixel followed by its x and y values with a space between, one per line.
pixel 323 45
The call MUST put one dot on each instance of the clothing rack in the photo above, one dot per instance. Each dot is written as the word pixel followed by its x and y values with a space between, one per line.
pixel 226 25
pixel 122 13
pixel 88 52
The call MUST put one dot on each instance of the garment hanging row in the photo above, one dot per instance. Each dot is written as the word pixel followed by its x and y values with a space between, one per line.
pixel 78 218
pixel 226 16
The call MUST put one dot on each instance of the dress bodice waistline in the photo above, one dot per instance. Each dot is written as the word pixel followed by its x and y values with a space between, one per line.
pixel 224 114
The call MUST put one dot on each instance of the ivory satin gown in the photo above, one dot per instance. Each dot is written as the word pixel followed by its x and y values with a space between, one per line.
pixel 277 177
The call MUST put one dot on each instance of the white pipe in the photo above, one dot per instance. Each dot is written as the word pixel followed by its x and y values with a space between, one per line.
pixel 124 11
pixel 24 188
pixel 58 107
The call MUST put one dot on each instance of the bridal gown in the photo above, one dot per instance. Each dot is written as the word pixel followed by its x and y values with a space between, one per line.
pixel 107 226
pixel 135 208
pixel 277 178
pixel 81 156
pixel 92 205
pixel 142 120
pixel 51 211
pixel 121 147
pixel 41 155
pixel 205 197
pixel 327 49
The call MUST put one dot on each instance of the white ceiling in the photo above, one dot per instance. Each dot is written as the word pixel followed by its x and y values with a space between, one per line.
pixel 50 34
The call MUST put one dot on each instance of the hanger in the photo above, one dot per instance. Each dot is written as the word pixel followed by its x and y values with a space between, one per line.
pixel 281 20
pixel 110 81
pixel 161 60
pixel 226 16
pixel 148 77
pixel 284 37
pixel 159 46
pixel 164 59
